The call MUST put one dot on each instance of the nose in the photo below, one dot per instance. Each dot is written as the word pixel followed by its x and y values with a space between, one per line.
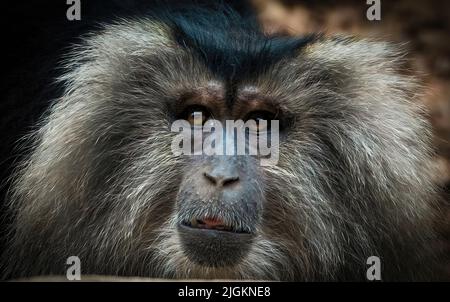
pixel 221 176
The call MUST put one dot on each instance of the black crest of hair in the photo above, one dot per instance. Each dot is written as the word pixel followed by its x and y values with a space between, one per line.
pixel 230 42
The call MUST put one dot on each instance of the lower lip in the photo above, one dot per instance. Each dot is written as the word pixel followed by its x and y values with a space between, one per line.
pixel 212 247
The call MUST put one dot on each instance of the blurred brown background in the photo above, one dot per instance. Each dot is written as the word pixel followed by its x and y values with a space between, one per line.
pixel 425 28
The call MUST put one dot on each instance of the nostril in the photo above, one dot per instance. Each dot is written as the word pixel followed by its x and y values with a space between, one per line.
pixel 210 178
pixel 230 181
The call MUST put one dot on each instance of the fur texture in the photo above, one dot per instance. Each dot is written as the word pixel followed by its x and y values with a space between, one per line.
pixel 353 179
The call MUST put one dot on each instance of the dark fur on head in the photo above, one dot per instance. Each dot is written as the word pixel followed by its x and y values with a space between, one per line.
pixel 353 179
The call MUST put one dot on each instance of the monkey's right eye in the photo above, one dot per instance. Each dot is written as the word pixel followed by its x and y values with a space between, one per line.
pixel 196 115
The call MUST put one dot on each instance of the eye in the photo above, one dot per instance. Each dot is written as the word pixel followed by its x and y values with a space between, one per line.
pixel 260 116
pixel 196 115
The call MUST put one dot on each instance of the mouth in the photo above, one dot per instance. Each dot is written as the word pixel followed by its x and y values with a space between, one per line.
pixel 214 224
pixel 214 243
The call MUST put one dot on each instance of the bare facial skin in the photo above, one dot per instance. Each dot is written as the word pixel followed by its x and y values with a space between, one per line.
pixel 352 179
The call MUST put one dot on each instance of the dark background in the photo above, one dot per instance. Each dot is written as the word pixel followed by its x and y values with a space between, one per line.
pixel 36 34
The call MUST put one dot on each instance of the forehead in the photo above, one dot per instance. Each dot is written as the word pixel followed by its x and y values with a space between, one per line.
pixel 232 47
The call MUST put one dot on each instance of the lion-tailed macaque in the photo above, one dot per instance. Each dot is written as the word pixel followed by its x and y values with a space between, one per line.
pixel 352 177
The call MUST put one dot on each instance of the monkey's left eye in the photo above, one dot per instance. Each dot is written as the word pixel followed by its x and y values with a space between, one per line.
pixel 196 115
pixel 262 119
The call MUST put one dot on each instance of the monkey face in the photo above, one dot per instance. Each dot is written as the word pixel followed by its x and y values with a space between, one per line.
pixel 220 200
